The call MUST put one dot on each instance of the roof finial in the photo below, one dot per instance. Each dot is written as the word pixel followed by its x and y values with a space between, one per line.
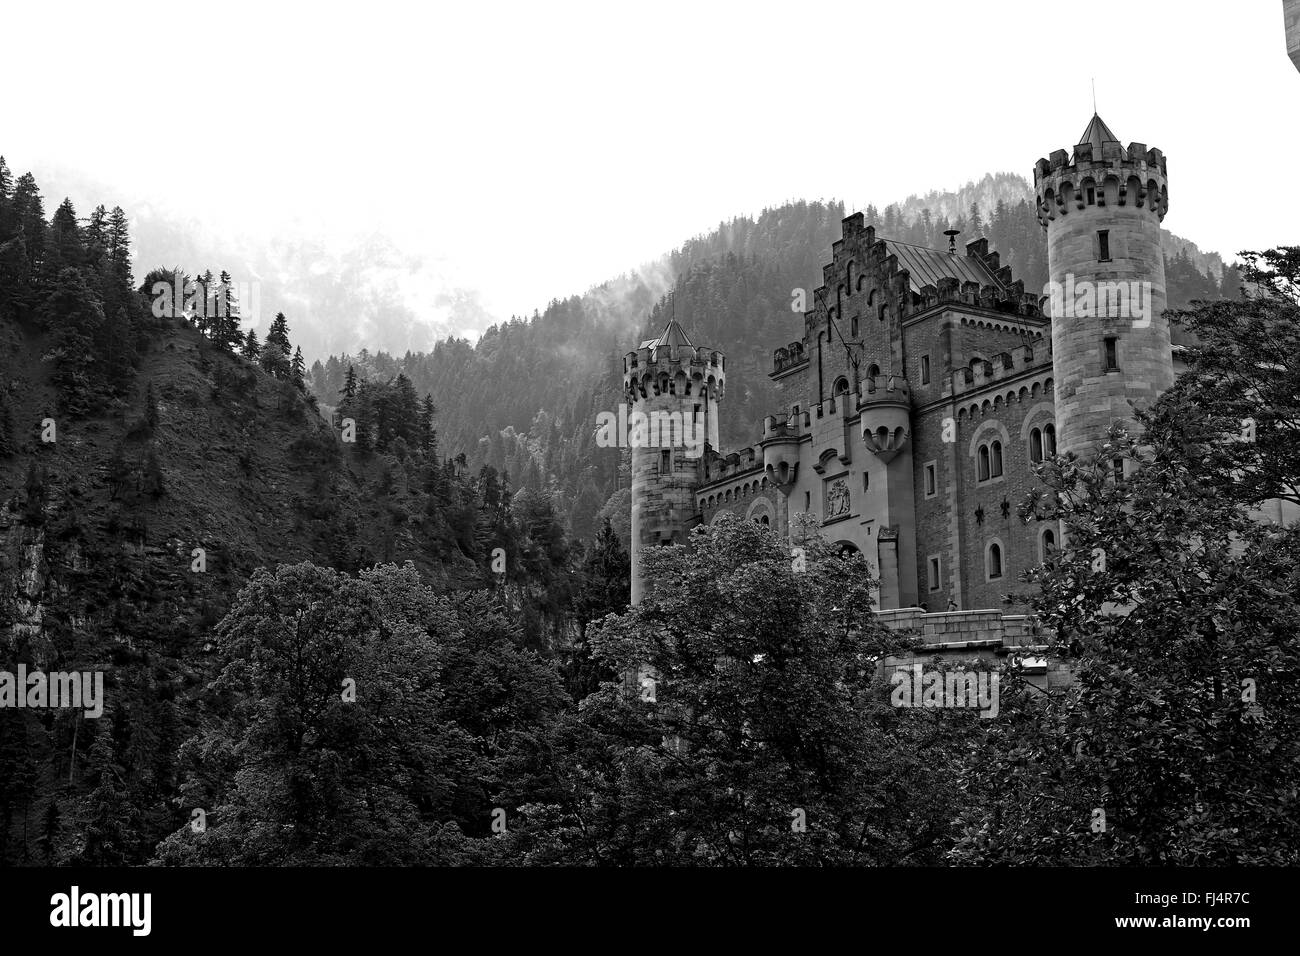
pixel 1094 96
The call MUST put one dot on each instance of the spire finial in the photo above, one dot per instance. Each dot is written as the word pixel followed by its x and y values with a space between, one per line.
pixel 1094 96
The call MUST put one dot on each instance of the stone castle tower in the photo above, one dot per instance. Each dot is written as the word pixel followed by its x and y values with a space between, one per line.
pixel 672 390
pixel 1291 17
pixel 1102 210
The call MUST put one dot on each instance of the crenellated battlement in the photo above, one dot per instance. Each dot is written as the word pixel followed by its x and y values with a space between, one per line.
pixel 1003 365
pixel 673 369
pixel 1101 173
pixel 789 356
pixel 719 467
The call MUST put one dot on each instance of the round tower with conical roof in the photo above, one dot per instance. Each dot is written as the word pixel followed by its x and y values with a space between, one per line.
pixel 672 390
pixel 1102 209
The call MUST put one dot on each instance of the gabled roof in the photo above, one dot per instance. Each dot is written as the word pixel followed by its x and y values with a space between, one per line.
pixel 1098 133
pixel 927 266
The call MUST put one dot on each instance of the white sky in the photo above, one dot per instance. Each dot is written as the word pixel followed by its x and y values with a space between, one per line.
pixel 539 148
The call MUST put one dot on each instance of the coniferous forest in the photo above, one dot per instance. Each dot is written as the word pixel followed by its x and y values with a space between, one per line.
pixel 375 611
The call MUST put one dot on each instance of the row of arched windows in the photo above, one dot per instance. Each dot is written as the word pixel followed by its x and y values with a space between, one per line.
pixel 736 494
pixel 988 457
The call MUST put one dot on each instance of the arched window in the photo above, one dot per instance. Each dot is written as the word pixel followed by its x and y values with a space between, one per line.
pixel 873 371
pixel 765 522
pixel 1046 544
pixel 993 562
pixel 983 458
pixel 1036 446
pixel 841 386
pixel 882 311
pixel 997 460
pixel 1049 440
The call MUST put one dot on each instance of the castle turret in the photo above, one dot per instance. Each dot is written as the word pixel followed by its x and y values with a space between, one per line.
pixel 672 391
pixel 1102 210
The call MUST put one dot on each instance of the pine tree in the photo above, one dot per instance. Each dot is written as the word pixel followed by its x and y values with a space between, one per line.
pixel 206 316
pixel 28 211
pixel 96 239
pixel 363 420
pixel 65 247
pixel 277 351
pixel 428 433
pixel 297 370
pixel 349 389
pixel 252 350
pixel 225 323
pixel 73 315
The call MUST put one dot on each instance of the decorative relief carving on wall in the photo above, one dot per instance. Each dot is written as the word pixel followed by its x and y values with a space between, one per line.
pixel 837 498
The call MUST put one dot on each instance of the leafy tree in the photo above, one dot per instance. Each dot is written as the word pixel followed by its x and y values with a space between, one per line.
pixel 328 747
pixel 766 701
pixel 1242 380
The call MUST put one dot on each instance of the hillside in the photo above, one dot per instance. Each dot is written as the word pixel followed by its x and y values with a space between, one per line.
pixel 148 466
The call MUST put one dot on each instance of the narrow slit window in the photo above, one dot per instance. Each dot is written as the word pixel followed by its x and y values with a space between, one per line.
pixel 665 462
pixel 934 574
pixel 925 370
pixel 1112 354
pixel 1103 245
pixel 995 561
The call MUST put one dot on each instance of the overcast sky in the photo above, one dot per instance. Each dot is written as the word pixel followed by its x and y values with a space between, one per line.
pixel 539 148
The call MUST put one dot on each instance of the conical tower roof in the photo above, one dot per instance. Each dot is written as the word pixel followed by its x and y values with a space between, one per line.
pixel 1098 133
pixel 672 336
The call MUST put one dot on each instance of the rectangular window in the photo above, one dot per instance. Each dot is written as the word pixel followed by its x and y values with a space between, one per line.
pixel 934 574
pixel 931 482
pixel 1112 354
pixel 866 481
pixel 1103 245
pixel 665 462
pixel 925 370
pixel 1092 195
pixel 807 501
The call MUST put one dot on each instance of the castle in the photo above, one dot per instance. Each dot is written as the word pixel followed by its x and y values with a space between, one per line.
pixel 925 386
